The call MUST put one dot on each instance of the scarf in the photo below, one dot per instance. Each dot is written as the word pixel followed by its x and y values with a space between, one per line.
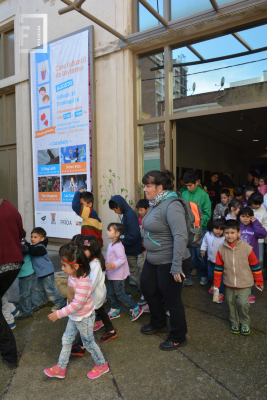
pixel 158 198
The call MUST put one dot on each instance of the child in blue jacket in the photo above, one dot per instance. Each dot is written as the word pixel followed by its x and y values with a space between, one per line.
pixel 132 240
pixel 44 272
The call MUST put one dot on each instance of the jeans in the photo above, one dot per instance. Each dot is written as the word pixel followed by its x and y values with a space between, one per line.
pixel 199 261
pixel 8 346
pixel 85 327
pixel 117 295
pixel 25 294
pixel 45 287
pixel 211 266
pixel 157 281
pixel 134 270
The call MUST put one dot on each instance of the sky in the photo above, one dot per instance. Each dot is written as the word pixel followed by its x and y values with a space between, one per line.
pixel 205 82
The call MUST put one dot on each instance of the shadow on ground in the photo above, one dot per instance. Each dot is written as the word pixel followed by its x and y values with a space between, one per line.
pixel 214 365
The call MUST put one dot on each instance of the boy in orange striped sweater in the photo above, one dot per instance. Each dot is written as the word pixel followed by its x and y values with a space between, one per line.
pixel 238 264
pixel 82 205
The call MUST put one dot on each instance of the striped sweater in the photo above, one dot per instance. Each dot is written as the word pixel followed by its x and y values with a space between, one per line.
pixel 91 224
pixel 80 302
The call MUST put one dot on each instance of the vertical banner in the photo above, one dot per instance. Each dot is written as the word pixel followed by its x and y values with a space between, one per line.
pixel 61 131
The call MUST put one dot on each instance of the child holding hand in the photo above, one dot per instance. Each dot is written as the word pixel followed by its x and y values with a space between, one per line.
pixel 117 271
pixel 80 310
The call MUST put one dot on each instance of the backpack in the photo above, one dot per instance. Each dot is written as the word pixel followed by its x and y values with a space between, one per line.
pixel 193 217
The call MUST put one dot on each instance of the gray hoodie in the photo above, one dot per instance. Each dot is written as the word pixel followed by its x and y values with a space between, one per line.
pixel 166 243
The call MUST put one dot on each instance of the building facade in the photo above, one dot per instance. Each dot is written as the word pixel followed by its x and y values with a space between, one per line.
pixel 155 97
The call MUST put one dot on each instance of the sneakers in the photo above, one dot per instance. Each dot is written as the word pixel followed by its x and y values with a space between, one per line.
pixel 77 350
pixel 235 329
pixel 194 272
pixel 136 313
pixel 146 308
pixel 97 371
pixel 245 330
pixel 187 282
pixel 211 290
pixel 169 345
pixel 251 299
pixel 107 336
pixel 203 281
pixel 142 301
pixel 98 325
pixel 15 313
pixel 221 296
pixel 56 372
pixel 12 326
pixel 114 313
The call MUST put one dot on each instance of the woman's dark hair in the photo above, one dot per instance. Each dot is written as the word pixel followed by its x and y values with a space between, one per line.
pixel 216 223
pixel 249 189
pixel 226 181
pixel 225 191
pixel 191 176
pixel 118 228
pixel 244 211
pixel 255 198
pixel 157 178
pixel 75 255
pixel 143 203
pixel 235 204
pixel 239 190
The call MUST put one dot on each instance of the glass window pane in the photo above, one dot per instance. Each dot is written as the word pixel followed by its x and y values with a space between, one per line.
pixel 255 37
pixel 9 60
pixel 152 142
pixel 219 47
pixel 11 117
pixel 146 19
pixel 152 86
pixel 180 9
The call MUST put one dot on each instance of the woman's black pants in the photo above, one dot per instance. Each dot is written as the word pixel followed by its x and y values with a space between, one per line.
pixel 157 282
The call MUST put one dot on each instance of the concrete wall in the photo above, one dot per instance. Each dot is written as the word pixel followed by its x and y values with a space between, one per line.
pixel 113 95
pixel 202 152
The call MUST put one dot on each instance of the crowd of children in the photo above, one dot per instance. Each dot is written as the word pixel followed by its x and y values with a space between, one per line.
pixel 231 256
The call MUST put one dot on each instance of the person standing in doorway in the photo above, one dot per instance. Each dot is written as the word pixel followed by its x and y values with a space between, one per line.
pixel 200 197
pixel 11 260
pixel 213 189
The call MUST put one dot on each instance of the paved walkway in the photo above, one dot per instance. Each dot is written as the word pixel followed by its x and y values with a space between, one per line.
pixel 214 365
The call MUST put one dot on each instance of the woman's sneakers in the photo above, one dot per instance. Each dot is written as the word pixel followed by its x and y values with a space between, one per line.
pixel 98 325
pixel 136 313
pixel 114 313
pixel 97 371
pixel 251 299
pixel 77 350
pixel 56 372
pixel 107 336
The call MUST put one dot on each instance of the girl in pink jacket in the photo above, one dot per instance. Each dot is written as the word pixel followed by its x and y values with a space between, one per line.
pixel 117 270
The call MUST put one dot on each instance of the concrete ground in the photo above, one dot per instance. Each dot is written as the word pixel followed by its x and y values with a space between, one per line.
pixel 214 365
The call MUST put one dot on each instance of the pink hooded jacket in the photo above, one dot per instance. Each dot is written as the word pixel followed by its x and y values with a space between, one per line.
pixel 116 254
pixel 262 189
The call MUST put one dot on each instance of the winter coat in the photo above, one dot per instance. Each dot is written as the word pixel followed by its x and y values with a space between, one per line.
pixel 116 255
pixel 261 215
pixel 201 198
pixel 251 233
pixel 211 243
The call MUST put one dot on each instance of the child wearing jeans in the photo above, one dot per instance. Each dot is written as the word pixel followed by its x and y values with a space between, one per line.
pixel 44 272
pixel 80 310
pixel 117 271
pixel 91 247
pixel 237 262
pixel 211 242
pixel 251 230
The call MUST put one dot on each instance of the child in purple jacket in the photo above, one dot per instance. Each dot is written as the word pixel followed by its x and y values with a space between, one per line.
pixel 251 231
pixel 117 270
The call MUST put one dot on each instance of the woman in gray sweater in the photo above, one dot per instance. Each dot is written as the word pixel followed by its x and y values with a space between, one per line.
pixel 167 259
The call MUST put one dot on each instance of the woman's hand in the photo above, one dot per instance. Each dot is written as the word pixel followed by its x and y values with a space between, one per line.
pixel 53 317
pixel 178 277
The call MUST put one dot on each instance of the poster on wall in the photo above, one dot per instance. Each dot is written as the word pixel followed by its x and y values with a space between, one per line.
pixel 61 131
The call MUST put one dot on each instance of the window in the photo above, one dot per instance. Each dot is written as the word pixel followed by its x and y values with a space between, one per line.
pixel 7 118
pixel 146 19
pixel 152 142
pixel 7 54
pixel 180 9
